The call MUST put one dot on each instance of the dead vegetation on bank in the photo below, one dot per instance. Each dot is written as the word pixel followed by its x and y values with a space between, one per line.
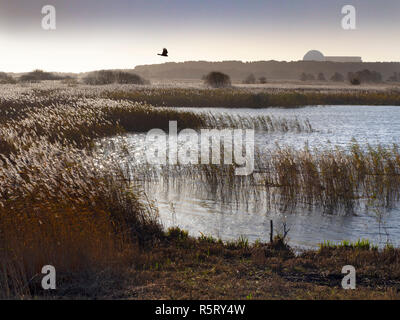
pixel 181 267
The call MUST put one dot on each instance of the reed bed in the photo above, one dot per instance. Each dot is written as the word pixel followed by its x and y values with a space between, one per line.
pixel 59 206
pixel 63 204
pixel 235 97
pixel 335 181
pixel 261 122
pixel 76 117
pixel 245 98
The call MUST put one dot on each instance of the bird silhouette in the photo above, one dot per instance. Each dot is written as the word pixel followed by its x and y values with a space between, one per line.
pixel 164 53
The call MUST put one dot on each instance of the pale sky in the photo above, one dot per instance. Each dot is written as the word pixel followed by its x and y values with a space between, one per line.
pixel 99 34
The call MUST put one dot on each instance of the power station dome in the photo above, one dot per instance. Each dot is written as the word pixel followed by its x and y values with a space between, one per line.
pixel 314 55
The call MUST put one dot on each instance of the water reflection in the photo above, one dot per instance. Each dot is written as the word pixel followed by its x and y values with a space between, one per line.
pixel 192 205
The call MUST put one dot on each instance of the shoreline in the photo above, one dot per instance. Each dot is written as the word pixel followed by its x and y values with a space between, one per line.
pixel 181 268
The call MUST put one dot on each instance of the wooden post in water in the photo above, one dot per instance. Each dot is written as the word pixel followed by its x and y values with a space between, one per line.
pixel 271 232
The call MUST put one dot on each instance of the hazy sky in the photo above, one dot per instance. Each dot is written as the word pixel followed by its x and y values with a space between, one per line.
pixel 99 34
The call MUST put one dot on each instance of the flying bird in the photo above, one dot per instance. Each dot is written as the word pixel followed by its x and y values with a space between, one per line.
pixel 164 53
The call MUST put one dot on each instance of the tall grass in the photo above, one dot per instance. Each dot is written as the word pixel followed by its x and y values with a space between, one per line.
pixel 59 207
pixel 59 204
pixel 336 181
pixel 62 204
pixel 76 119
pixel 336 178
pixel 361 244
pixel 242 98
pixel 260 122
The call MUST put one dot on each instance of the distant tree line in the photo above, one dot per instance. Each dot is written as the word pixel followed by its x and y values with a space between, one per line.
pixel 251 79
pixel 216 79
pixel 273 70
pixel 363 76
pixel 93 78
pixel 34 76
pixel 5 78
pixel 40 75
pixel 103 77
pixel 337 77
pixel 395 77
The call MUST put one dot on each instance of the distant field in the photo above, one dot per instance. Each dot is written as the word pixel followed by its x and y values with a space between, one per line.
pixel 280 84
pixel 192 95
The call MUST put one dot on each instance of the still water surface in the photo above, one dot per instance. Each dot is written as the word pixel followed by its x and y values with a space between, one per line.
pixel 201 211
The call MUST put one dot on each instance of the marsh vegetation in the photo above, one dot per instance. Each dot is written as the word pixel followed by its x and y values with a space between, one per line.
pixel 245 98
pixel 64 202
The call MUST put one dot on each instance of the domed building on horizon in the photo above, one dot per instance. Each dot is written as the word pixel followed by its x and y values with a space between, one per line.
pixel 315 55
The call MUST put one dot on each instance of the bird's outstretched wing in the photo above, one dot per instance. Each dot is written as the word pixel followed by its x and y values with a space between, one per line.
pixel 165 51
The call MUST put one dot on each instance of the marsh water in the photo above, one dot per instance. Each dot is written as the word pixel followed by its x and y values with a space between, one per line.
pixel 198 209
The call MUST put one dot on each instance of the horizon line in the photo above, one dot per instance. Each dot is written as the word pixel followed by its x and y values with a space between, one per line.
pixel 207 61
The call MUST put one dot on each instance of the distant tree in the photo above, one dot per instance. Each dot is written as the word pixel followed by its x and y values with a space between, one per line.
pixel 103 77
pixel 5 78
pixel 217 79
pixel 39 75
pixel 251 79
pixel 321 77
pixel 307 77
pixel 337 77
pixel 369 76
pixel 129 78
pixel 366 76
pixel 354 80
pixel 395 77
pixel 262 80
